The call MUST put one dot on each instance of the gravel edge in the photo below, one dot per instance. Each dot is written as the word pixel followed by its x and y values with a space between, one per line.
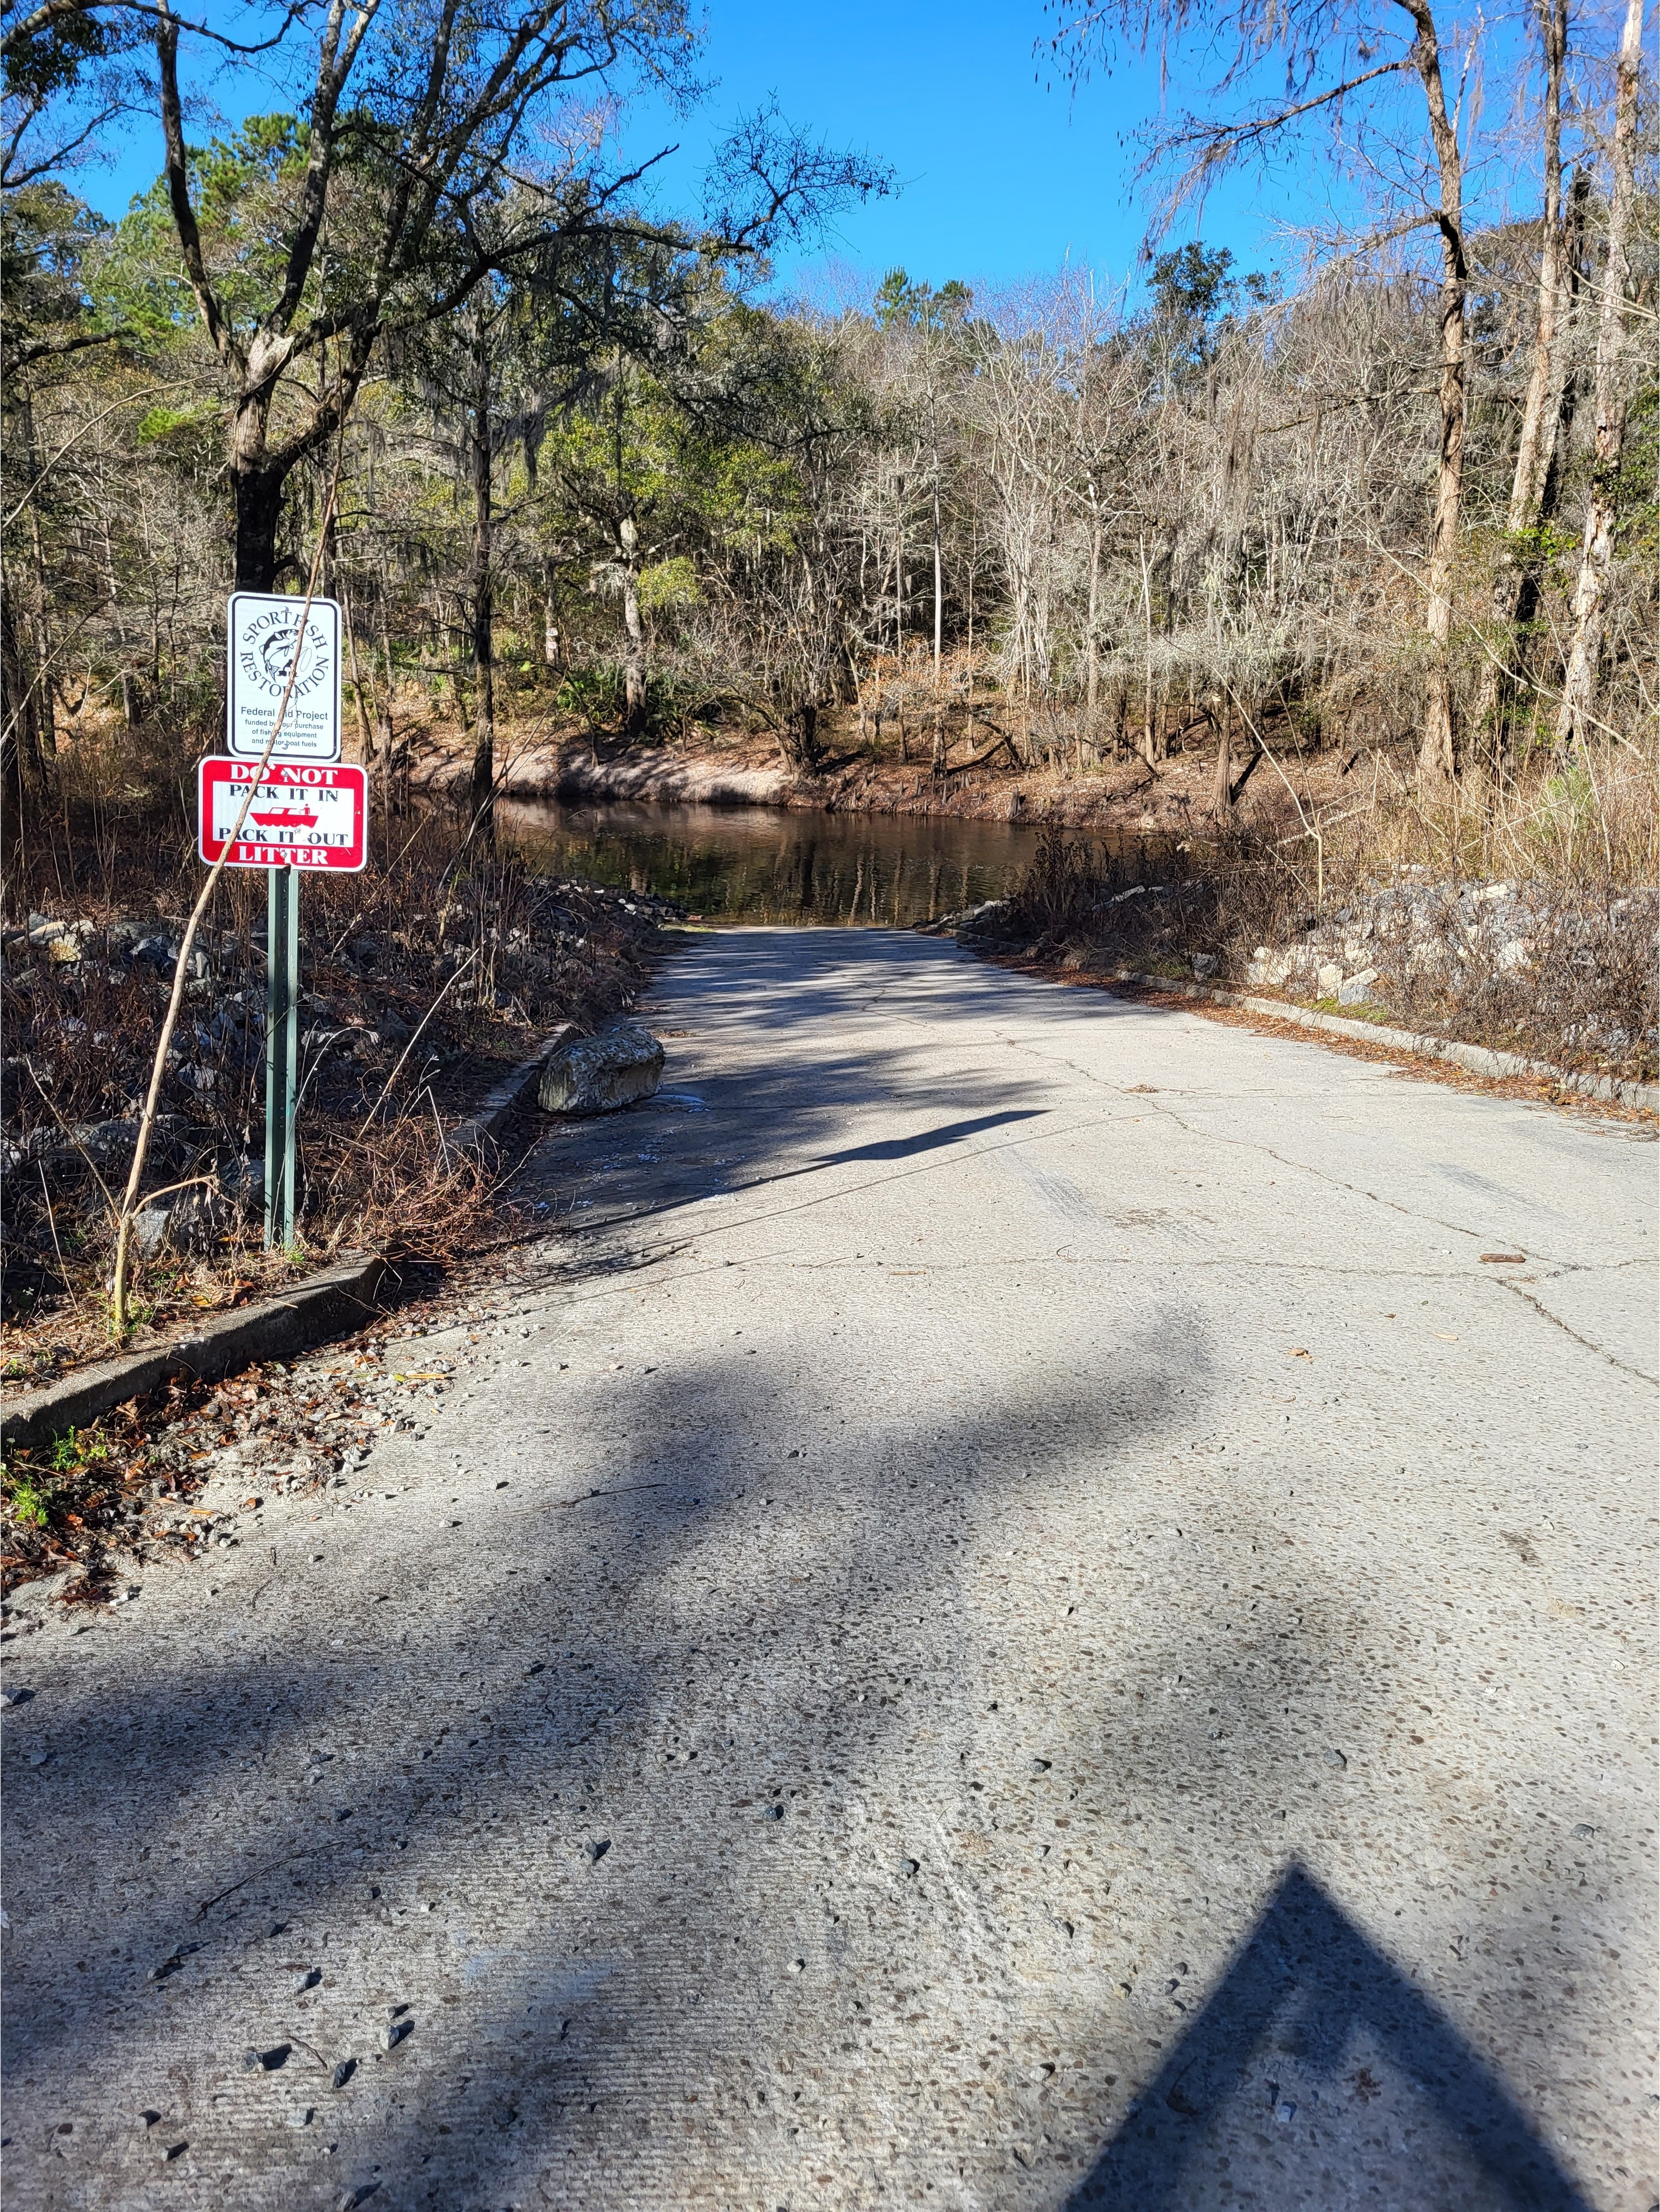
pixel 1478 1058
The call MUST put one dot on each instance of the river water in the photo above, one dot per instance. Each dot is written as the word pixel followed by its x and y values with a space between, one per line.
pixel 759 864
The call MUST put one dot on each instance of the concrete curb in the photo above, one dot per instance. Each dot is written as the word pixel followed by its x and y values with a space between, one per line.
pixel 339 1299
pixel 331 1303
pixel 1477 1058
pixel 495 1105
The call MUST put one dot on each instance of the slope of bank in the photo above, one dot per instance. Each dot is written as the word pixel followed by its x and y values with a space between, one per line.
pixel 1126 797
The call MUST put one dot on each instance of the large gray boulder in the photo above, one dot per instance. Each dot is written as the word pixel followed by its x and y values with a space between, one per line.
pixel 598 1074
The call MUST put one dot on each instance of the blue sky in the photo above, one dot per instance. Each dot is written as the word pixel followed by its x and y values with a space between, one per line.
pixel 1003 174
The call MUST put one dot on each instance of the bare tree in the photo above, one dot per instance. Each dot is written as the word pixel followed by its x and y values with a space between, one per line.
pixel 428 138
pixel 1310 36
pixel 1577 717
pixel 1535 442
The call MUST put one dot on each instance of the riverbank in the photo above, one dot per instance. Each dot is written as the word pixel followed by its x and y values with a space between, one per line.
pixel 1518 918
pixel 1116 797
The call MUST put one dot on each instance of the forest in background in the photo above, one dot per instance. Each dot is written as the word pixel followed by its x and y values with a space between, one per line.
pixel 570 461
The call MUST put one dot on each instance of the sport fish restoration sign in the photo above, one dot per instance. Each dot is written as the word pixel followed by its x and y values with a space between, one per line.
pixel 265 643
pixel 299 817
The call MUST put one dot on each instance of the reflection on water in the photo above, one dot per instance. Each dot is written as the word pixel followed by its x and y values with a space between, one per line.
pixel 778 864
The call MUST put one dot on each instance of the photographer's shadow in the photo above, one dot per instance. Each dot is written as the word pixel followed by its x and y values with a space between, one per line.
pixel 1308 1996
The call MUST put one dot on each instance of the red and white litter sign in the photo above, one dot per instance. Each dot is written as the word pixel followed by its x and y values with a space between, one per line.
pixel 300 815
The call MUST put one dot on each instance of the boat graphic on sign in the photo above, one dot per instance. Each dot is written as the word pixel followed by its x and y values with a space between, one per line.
pixel 286 818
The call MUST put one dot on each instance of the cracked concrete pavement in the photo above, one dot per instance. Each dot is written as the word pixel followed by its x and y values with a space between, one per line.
pixel 1009 1612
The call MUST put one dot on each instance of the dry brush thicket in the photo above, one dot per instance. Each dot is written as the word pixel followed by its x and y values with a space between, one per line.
pixel 1560 970
pixel 422 982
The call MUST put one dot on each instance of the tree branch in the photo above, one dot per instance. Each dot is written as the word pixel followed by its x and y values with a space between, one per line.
pixel 53 348
pixel 1219 144
pixel 333 68
pixel 12 180
pixel 219 330
pixel 52 11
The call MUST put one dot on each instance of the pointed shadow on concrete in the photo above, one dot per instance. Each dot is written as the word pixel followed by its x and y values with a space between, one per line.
pixel 1308 1979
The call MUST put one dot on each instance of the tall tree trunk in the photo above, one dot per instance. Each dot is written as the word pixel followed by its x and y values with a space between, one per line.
pixel 1577 716
pixel 633 631
pixel 1438 758
pixel 22 765
pixel 1566 397
pixel 482 796
pixel 899 598
pixel 259 496
pixel 43 730
pixel 385 611
pixel 1565 408
pixel 1534 450
pixel 938 576
pixel 1222 792
pixel 364 730
pixel 257 492
pixel 1092 666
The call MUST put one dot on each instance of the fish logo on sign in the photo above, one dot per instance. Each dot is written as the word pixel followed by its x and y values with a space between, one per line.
pixel 269 654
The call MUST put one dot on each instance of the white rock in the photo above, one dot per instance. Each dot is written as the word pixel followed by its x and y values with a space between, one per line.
pixel 598 1074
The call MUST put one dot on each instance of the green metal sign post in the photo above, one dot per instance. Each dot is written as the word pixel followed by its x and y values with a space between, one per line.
pixel 281 1050
pixel 280 799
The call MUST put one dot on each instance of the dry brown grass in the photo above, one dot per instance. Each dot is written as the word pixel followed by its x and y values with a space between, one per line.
pixel 425 978
pixel 1579 849
pixel 1595 821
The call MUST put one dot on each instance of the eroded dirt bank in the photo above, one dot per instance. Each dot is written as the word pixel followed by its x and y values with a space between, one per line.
pixel 1123 797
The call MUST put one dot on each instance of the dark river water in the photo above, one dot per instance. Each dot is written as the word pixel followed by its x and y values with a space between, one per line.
pixel 777 864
